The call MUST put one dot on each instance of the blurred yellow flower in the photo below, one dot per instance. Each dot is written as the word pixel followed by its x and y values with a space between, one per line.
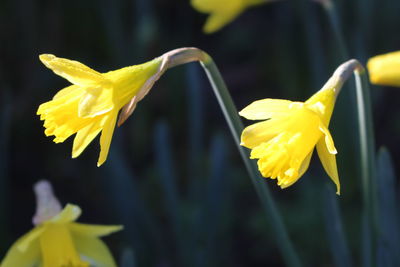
pixel 59 242
pixel 284 142
pixel 92 103
pixel 385 69
pixel 222 12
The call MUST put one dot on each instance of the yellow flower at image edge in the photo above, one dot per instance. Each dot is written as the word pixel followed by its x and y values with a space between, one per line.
pixel 385 69
pixel 284 142
pixel 92 103
pixel 222 12
pixel 60 242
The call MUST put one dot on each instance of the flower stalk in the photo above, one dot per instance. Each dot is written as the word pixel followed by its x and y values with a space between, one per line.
pixel 366 137
pixel 367 153
pixel 186 55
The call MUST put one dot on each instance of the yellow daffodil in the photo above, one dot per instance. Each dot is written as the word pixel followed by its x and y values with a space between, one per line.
pixel 385 69
pixel 59 241
pixel 222 12
pixel 92 103
pixel 284 142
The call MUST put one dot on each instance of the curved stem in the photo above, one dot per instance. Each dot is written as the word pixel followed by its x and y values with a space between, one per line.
pixel 366 134
pixel 235 125
pixel 177 57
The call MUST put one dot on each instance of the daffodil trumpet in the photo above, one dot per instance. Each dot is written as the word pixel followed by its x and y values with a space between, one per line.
pixel 284 142
pixel 91 105
pixel 57 240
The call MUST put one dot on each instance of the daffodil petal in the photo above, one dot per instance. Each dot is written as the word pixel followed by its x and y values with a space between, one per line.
pixel 222 11
pixel 26 240
pixel 70 90
pixel 328 140
pixel 303 168
pixel 95 101
pixel 105 138
pixel 206 6
pixel 266 108
pixel 94 230
pixel 68 214
pixel 385 69
pixel 94 249
pixel 84 137
pixel 328 161
pixel 306 162
pixel 216 21
pixel 260 132
pixel 74 71
pixel 27 257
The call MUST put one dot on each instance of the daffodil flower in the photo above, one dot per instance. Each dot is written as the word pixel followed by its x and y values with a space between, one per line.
pixel 284 142
pixel 58 241
pixel 385 69
pixel 222 12
pixel 92 103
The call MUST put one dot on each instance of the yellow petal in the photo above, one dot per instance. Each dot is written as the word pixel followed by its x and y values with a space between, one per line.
pixel 95 101
pixel 328 140
pixel 74 71
pixel 25 251
pixel 94 249
pixel 84 137
pixel 260 132
pixel 216 21
pixel 328 161
pixel 23 255
pixel 68 214
pixel 58 248
pixel 222 11
pixel 303 168
pixel 90 230
pixel 385 69
pixel 207 6
pixel 67 99
pixel 70 90
pixel 266 108
pixel 306 162
pixel 129 80
pixel 106 136
pixel 25 241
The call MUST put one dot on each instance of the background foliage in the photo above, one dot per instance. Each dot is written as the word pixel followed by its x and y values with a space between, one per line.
pixel 174 177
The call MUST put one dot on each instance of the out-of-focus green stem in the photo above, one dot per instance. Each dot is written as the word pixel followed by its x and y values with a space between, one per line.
pixel 189 54
pixel 235 125
pixel 334 22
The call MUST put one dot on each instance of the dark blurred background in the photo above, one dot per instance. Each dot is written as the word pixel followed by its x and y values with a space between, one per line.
pixel 174 177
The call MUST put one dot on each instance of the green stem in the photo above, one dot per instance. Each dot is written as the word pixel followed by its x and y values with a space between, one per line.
pixel 235 125
pixel 185 55
pixel 366 134
pixel 367 152
pixel 334 22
